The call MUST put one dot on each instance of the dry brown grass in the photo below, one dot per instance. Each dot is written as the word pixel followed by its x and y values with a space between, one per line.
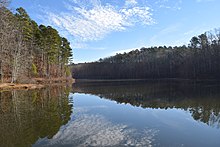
pixel 8 86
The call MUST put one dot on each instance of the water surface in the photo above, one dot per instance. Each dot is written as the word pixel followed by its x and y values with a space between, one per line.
pixel 150 113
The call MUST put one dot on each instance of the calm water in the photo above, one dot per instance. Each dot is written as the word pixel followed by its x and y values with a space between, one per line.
pixel 150 113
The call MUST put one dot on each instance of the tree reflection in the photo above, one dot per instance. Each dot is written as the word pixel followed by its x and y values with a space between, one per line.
pixel 201 99
pixel 26 116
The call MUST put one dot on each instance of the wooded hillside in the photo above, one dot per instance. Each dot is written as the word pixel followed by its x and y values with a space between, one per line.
pixel 30 50
pixel 199 60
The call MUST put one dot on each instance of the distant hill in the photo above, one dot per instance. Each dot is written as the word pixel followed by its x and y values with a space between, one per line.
pixel 199 60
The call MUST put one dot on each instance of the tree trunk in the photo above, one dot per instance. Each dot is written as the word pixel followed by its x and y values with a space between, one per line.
pixel 48 68
pixel 1 72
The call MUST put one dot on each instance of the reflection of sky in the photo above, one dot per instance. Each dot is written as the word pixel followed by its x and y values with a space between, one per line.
pixel 214 120
pixel 100 122
pixel 95 130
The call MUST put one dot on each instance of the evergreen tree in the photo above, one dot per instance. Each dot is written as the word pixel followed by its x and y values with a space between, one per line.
pixel 28 49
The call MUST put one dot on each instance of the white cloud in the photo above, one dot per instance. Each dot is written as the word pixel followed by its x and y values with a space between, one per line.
pixel 130 3
pixel 169 4
pixel 165 32
pixel 91 20
pixel 137 14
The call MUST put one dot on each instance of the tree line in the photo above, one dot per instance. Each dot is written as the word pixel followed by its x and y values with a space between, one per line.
pixel 28 49
pixel 200 59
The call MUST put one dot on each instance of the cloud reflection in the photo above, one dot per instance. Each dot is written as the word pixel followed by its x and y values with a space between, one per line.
pixel 96 130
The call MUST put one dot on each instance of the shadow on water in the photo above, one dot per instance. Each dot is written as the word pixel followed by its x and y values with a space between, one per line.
pixel 26 116
pixel 201 99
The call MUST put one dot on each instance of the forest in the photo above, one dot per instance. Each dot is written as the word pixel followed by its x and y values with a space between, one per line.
pixel 200 59
pixel 29 50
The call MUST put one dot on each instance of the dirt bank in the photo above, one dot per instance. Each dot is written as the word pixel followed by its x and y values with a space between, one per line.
pixel 9 86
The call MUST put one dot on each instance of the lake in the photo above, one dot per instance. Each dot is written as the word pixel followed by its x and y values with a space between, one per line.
pixel 137 113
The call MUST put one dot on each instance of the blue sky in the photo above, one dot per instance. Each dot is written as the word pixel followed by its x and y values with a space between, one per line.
pixel 101 28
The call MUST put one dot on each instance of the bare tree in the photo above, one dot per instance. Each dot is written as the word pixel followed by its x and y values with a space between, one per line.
pixel 5 38
pixel 13 51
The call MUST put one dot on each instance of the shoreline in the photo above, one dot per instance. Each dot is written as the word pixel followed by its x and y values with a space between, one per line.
pixel 163 79
pixel 38 84
pixel 12 86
